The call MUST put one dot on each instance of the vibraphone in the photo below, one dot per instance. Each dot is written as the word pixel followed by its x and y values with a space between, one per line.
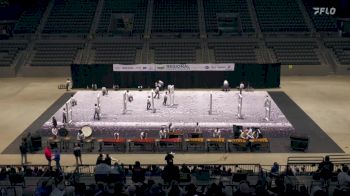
pixel 195 144
pixel 117 144
pixel 169 144
pixel 216 144
pixel 138 144
pixel 260 144
pixel 237 144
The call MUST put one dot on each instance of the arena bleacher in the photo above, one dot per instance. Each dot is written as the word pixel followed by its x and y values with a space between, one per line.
pixel 10 50
pixel 299 175
pixel 68 16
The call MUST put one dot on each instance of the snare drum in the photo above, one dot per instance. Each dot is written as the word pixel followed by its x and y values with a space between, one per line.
pixel 87 131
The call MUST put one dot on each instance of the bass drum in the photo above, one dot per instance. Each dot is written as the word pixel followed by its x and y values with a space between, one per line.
pixel 87 131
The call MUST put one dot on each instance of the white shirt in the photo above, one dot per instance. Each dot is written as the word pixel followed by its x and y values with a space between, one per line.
pixel 343 179
pixel 80 136
pixel 241 86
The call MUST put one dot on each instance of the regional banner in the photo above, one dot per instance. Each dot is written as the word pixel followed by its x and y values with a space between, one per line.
pixel 173 67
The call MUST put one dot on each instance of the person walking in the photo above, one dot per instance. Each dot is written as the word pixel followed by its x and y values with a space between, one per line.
pixel 77 154
pixel 241 87
pixel 24 151
pixel 57 158
pixel 48 154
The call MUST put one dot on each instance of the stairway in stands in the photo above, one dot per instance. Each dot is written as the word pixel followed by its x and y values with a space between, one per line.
pixel 203 33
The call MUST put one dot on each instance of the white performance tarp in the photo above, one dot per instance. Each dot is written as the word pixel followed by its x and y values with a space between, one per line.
pixel 173 67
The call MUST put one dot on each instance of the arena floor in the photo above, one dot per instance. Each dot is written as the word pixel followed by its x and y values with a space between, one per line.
pixel 324 99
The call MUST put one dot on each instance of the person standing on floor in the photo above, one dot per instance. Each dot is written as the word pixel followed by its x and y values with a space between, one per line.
pixel 64 116
pixel 48 154
pixel 57 158
pixel 24 151
pixel 77 154
pixel 97 112
pixel 148 103
pixel 54 122
pixel 156 92
pixel 67 84
pixel 241 87
pixel 165 99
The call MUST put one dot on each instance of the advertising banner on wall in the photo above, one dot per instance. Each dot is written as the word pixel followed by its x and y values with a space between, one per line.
pixel 173 67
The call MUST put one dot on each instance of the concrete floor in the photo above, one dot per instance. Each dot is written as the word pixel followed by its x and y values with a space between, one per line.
pixel 325 99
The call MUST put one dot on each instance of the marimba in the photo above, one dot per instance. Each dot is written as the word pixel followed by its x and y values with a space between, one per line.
pixel 195 144
pixel 169 144
pixel 118 144
pixel 146 144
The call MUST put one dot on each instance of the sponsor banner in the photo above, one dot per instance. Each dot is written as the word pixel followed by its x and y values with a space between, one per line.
pixel 173 67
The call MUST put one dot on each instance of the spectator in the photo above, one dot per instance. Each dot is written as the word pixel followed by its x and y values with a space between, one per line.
pixel 326 168
pixel 275 169
pixel 171 172
pixel 169 157
pixel 77 154
pixel 108 160
pixel 155 170
pixel 24 151
pixel 289 171
pixel 174 189
pixel 117 169
pixel 57 158
pixel 344 178
pixel 99 159
pixel 119 189
pixel 138 174
pixel 102 168
pixel 185 169
pixel 48 154
pixel 303 191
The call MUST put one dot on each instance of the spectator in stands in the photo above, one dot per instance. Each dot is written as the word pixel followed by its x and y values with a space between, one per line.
pixel 171 172
pixel 289 171
pixel 23 149
pixel 108 160
pixel 169 157
pixel 48 154
pixel 303 191
pixel 155 170
pixel 54 122
pixel 102 168
pixel 119 189
pixel 57 158
pixel 185 169
pixel 344 178
pixel 117 169
pixel 326 168
pixel 77 154
pixel 275 169
pixel 138 174
pixel 174 189
pixel 243 189
pixel 99 159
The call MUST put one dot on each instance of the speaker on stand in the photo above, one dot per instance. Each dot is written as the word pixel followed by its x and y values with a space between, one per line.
pixel 299 142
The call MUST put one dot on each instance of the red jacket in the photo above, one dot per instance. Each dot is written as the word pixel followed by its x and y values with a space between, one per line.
pixel 48 153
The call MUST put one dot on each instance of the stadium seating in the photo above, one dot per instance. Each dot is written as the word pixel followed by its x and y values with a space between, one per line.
pixel 115 52
pixel 55 53
pixel 212 7
pixel 295 52
pixel 279 16
pixel 71 16
pixel 30 19
pixel 175 16
pixel 174 52
pixel 321 22
pixel 341 49
pixel 234 52
pixel 136 7
pixel 9 51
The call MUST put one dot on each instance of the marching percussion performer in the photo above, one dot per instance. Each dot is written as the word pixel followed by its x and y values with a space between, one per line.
pixel 217 133
pixel 97 112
